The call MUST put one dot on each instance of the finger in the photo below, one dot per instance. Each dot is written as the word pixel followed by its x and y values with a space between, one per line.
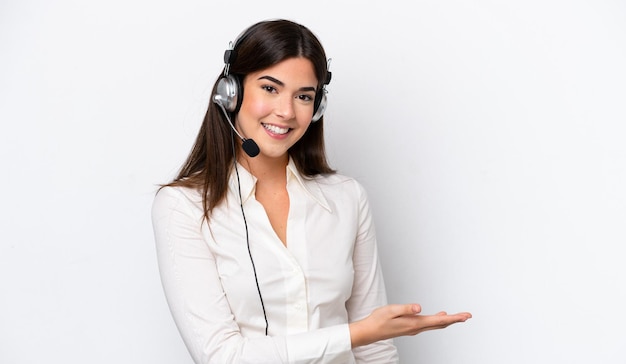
pixel 405 310
pixel 415 308
pixel 435 322
pixel 463 315
pixel 466 315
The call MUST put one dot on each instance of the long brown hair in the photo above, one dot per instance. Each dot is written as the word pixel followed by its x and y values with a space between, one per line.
pixel 261 46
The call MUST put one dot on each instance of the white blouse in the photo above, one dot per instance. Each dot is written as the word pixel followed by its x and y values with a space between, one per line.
pixel 326 276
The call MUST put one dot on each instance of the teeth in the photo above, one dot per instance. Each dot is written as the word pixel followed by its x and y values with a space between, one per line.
pixel 275 129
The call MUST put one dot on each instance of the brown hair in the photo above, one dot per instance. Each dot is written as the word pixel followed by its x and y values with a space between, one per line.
pixel 261 46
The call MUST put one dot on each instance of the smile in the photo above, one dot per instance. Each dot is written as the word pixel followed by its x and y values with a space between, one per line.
pixel 275 129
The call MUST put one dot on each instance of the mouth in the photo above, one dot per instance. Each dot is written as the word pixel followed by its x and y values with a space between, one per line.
pixel 275 129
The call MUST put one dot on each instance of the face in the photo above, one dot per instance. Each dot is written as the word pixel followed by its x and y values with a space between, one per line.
pixel 277 105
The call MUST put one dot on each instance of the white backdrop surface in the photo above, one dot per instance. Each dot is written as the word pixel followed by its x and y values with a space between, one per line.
pixel 489 135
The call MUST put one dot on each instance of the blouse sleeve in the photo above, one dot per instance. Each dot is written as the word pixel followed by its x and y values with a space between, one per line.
pixel 199 306
pixel 368 292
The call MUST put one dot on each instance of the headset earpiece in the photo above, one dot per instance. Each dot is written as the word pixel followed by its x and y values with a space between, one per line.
pixel 320 99
pixel 319 105
pixel 228 93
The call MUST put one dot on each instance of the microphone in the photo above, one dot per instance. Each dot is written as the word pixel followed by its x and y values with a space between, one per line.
pixel 249 146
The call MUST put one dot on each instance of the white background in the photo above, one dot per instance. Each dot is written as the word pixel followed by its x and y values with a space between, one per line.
pixel 489 135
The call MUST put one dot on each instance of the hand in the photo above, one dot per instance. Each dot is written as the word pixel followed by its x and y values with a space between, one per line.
pixel 399 320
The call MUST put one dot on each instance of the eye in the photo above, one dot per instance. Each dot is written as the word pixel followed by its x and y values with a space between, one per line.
pixel 269 88
pixel 305 97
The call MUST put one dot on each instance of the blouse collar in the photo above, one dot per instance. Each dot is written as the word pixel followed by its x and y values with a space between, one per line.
pixel 247 183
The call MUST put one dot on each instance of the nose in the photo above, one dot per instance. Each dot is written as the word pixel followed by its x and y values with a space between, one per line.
pixel 285 107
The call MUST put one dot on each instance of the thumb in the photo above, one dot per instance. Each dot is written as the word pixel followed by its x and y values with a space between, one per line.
pixel 405 310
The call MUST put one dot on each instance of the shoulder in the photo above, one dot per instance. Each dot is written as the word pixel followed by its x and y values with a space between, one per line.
pixel 175 198
pixel 338 180
pixel 337 185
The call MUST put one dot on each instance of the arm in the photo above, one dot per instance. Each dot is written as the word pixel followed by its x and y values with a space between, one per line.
pixel 200 308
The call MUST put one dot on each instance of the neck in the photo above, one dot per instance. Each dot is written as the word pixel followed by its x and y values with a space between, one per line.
pixel 263 167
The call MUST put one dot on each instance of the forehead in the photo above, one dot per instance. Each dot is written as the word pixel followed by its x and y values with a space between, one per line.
pixel 291 71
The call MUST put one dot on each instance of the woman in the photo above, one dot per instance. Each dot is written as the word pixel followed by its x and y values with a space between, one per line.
pixel 266 254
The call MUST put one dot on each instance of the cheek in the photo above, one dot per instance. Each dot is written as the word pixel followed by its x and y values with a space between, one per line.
pixel 304 113
pixel 255 106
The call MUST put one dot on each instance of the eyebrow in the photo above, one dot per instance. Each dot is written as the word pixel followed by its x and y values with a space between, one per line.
pixel 281 83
